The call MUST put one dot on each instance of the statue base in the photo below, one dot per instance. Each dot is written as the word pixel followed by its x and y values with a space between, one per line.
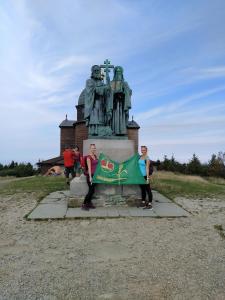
pixel 116 149
pixel 106 194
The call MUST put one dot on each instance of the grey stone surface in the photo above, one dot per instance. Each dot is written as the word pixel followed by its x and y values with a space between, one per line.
pixel 108 189
pixel 140 212
pixel 78 186
pixel 118 150
pixel 92 213
pixel 56 201
pixel 112 212
pixel 169 210
pixel 160 198
pixel 54 208
pixel 48 211
pixel 128 190
pixel 123 211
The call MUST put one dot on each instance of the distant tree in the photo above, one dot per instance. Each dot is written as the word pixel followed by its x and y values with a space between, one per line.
pixel 194 166
pixel 216 166
pixel 18 170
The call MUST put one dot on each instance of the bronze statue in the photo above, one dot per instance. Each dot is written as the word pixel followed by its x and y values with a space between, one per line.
pixel 121 98
pixel 97 104
pixel 106 105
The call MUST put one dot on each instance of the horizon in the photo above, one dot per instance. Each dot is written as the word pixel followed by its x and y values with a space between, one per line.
pixel 173 56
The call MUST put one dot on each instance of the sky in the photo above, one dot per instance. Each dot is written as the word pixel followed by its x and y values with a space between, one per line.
pixel 172 53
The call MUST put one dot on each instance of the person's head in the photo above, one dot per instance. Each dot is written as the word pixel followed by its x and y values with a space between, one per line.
pixel 76 149
pixel 144 150
pixel 92 149
pixel 118 73
pixel 96 72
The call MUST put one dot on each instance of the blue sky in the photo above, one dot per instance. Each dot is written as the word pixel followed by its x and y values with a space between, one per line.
pixel 172 52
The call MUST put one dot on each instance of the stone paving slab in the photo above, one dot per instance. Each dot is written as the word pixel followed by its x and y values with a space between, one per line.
pixel 54 201
pixel 55 207
pixel 169 210
pixel 112 212
pixel 58 195
pixel 123 212
pixel 48 211
pixel 140 212
pixel 157 197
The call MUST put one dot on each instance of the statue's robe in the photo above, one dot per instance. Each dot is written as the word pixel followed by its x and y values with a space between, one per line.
pixel 96 106
pixel 121 99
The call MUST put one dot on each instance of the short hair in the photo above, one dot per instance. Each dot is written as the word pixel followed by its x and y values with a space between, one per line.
pixel 76 147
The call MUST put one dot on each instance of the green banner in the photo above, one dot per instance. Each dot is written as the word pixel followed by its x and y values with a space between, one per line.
pixel 112 172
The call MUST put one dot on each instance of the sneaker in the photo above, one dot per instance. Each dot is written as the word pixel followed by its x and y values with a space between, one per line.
pixel 84 207
pixel 149 206
pixel 142 203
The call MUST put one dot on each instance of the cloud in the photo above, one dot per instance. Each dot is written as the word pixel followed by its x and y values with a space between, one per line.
pixel 176 105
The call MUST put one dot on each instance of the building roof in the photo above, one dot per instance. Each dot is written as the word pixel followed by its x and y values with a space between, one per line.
pixel 67 123
pixel 52 161
pixel 133 124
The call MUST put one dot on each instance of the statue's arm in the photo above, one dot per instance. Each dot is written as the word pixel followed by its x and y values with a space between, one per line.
pixel 89 97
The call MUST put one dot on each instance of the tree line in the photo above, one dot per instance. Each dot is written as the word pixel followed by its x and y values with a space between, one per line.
pixel 214 167
pixel 17 169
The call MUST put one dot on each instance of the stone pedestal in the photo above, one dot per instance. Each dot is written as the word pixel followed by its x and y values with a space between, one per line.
pixel 106 194
pixel 118 150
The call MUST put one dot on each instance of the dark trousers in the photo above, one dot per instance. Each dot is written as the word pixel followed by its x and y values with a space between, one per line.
pixel 146 189
pixel 69 170
pixel 91 190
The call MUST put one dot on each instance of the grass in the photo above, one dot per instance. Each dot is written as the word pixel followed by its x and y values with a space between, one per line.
pixel 169 184
pixel 173 185
pixel 39 185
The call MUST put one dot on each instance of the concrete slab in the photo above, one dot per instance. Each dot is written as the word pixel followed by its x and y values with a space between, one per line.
pixel 57 201
pixel 157 197
pixel 112 212
pixel 57 208
pixel 91 213
pixel 77 213
pixel 169 210
pixel 140 212
pixel 56 195
pixel 123 211
pixel 48 211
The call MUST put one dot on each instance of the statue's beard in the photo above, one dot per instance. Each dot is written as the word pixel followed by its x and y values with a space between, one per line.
pixel 96 76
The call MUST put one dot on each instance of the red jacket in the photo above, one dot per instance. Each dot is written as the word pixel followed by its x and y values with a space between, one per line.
pixel 69 157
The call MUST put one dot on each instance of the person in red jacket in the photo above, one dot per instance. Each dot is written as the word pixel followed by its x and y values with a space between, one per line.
pixel 69 158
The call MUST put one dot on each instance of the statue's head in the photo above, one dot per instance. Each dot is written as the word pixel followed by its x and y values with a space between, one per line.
pixel 118 73
pixel 96 72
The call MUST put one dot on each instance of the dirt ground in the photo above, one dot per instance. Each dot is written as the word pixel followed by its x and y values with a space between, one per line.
pixel 125 258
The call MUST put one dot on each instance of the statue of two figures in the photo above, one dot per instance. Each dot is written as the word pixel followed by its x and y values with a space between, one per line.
pixel 107 104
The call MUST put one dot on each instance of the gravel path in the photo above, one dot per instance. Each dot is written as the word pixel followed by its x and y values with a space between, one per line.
pixel 133 258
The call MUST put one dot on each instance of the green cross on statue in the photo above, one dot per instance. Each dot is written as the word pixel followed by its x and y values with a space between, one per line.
pixel 107 68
